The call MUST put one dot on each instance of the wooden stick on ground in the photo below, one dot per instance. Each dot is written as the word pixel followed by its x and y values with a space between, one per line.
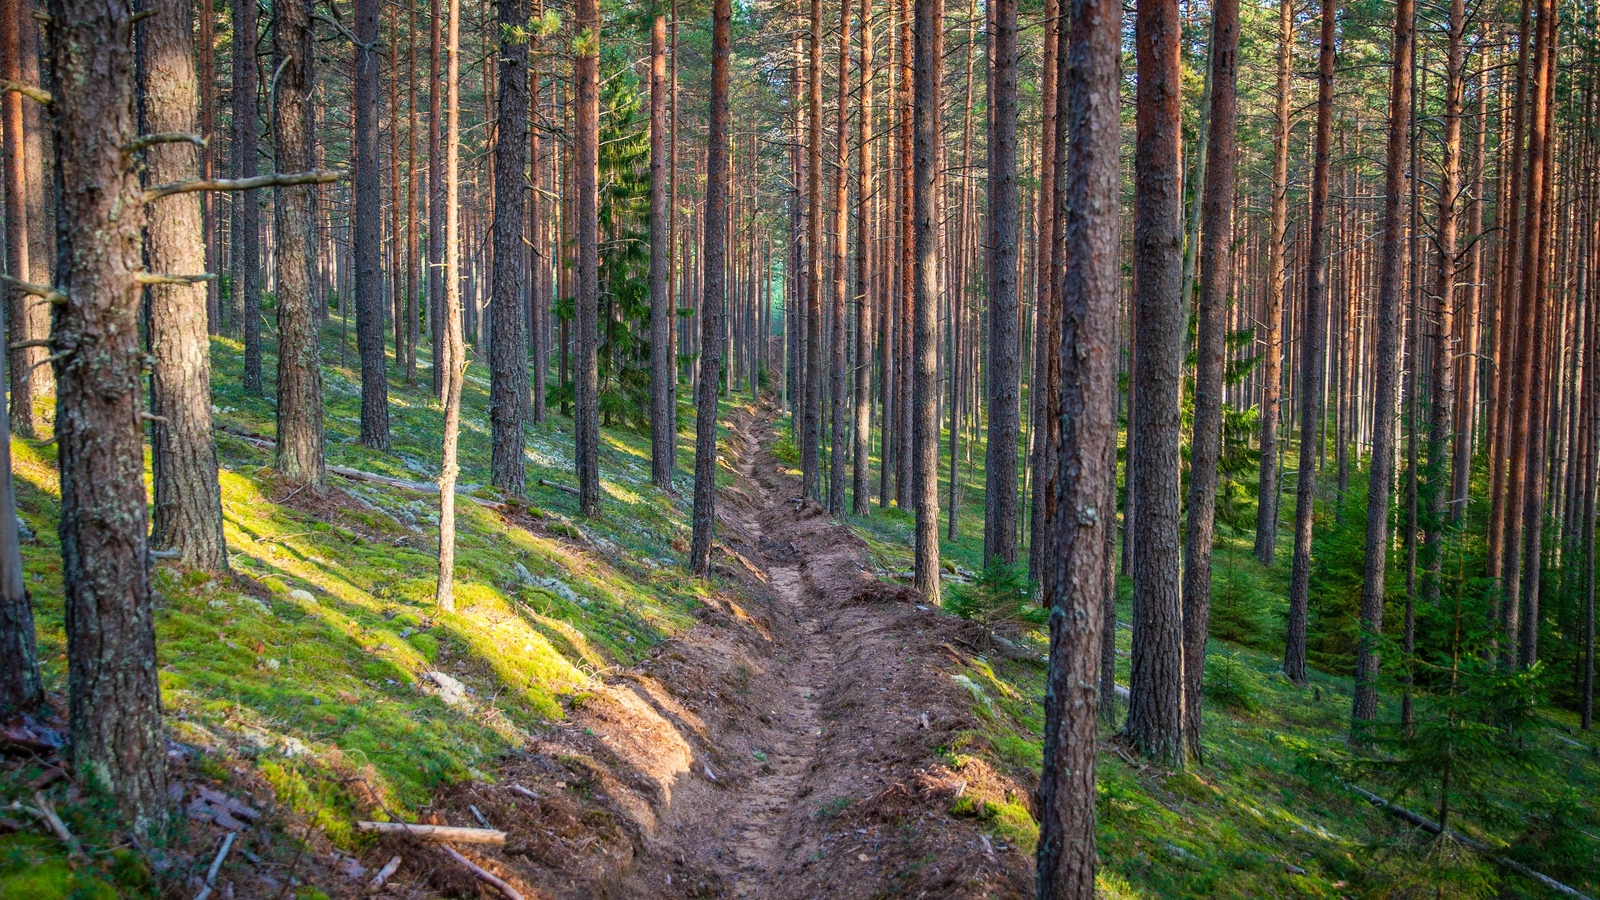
pixel 1432 827
pixel 47 812
pixel 483 875
pixel 389 868
pixel 437 832
pixel 216 866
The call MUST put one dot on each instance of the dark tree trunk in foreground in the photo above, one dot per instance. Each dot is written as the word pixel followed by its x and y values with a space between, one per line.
pixel 1155 700
pixel 585 177
pixel 508 341
pixel 245 283
pixel 663 389
pixel 188 507
pixel 715 266
pixel 1312 329
pixel 369 234
pixel 299 353
pixel 925 296
pixel 1381 477
pixel 865 295
pixel 1272 352
pixel 1005 426
pixel 1216 269
pixel 1081 605
pixel 114 694
pixel 450 340
pixel 19 304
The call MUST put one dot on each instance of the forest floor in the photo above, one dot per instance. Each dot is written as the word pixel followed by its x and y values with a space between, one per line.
pixel 790 747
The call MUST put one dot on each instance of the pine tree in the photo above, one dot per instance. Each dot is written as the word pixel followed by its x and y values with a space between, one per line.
pixel 508 351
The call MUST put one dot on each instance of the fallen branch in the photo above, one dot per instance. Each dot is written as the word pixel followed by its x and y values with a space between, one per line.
pixel 436 832
pixel 216 866
pixel 389 868
pixel 275 179
pixel 519 789
pixel 47 812
pixel 559 486
pixel 1433 827
pixel 483 875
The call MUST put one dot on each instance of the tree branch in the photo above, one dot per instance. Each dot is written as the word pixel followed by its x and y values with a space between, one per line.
pixel 161 278
pixel 240 184
pixel 167 137
pixel 37 290
pixel 36 94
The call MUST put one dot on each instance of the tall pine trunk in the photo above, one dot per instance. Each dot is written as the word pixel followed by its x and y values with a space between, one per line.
pixel 508 351
pixel 926 53
pixel 449 335
pixel 865 295
pixel 1155 699
pixel 1272 353
pixel 586 199
pixel 838 364
pixel 1216 270
pixel 1312 329
pixel 188 507
pixel 1082 607
pixel 663 391
pixel 811 418
pixel 369 233
pixel 1380 478
pixel 114 694
pixel 715 267
pixel 244 287
pixel 1005 426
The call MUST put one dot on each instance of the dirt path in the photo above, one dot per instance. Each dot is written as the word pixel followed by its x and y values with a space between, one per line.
pixel 794 745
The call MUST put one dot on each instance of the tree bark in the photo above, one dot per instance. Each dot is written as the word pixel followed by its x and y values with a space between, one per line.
pixel 663 391
pixel 1005 425
pixel 585 179
pixel 1522 424
pixel 19 304
pixel 508 350
pixel 1441 406
pixel 300 434
pixel 1313 328
pixel 369 233
pixel 436 203
pixel 1272 354
pixel 113 689
pixel 1216 269
pixel 1386 362
pixel 1155 700
pixel 449 338
pixel 715 265
pixel 20 687
pixel 811 424
pixel 188 507
pixel 864 297
pixel 840 375
pixel 244 288
pixel 926 53
pixel 1041 386
pixel 1081 605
